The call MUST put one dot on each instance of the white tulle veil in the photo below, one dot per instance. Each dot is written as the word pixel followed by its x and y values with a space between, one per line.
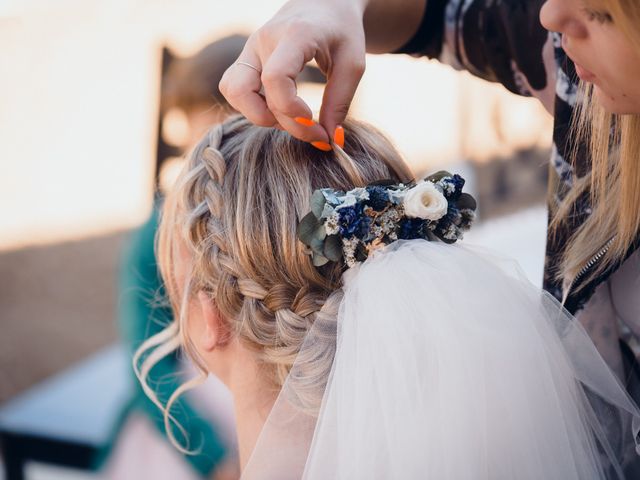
pixel 448 364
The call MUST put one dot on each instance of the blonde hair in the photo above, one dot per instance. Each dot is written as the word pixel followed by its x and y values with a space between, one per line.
pixel 233 213
pixel 613 184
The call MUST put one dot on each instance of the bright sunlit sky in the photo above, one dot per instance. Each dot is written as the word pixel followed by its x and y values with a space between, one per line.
pixel 78 100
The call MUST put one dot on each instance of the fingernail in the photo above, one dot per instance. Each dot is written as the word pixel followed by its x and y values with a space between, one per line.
pixel 307 122
pixel 324 146
pixel 338 136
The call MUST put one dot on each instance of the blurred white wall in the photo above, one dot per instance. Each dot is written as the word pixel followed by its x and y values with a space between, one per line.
pixel 78 100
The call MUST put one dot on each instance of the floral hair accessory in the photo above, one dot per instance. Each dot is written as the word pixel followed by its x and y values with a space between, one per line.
pixel 347 226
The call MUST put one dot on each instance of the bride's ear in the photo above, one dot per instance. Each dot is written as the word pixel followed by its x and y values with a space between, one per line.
pixel 215 332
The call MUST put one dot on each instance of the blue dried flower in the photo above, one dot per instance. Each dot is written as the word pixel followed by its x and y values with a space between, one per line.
pixel 458 183
pixel 453 216
pixel 412 228
pixel 353 221
pixel 378 198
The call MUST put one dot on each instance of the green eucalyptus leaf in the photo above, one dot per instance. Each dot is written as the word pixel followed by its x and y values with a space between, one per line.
pixel 436 177
pixel 319 260
pixel 317 239
pixel 466 201
pixel 307 228
pixel 317 203
pixel 333 248
pixel 432 237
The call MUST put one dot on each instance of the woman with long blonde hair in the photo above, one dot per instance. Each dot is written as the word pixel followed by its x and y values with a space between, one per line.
pixel 580 58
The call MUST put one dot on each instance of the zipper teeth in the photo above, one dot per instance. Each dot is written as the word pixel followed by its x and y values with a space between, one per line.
pixel 595 259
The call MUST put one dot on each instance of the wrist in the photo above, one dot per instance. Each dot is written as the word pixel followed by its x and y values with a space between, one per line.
pixel 358 6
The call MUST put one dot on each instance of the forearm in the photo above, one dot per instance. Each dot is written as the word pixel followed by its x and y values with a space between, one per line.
pixel 389 24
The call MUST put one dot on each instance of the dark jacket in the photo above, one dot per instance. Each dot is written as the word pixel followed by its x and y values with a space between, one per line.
pixel 503 41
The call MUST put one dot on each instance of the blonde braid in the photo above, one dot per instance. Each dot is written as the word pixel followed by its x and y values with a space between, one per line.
pixel 204 201
pixel 273 319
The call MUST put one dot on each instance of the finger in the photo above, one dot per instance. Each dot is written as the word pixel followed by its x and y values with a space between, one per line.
pixel 240 85
pixel 279 79
pixel 342 82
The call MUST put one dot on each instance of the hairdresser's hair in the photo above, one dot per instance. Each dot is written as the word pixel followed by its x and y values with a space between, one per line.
pixel 613 185
pixel 233 216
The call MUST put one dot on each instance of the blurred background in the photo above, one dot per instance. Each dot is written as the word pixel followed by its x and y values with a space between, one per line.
pixel 95 111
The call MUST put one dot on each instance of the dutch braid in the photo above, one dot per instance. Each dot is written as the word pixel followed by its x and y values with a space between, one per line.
pixel 276 317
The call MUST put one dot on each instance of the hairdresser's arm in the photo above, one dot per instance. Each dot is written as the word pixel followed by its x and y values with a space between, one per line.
pixel 500 42
pixel 337 33
pixel 389 24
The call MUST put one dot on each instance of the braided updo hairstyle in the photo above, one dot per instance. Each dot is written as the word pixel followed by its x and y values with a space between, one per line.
pixel 234 210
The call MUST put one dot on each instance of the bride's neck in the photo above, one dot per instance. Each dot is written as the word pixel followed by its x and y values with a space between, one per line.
pixel 253 400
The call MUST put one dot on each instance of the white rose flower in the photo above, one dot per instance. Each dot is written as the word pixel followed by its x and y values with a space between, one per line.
pixel 425 201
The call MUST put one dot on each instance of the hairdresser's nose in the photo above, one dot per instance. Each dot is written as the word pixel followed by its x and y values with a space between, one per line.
pixel 563 16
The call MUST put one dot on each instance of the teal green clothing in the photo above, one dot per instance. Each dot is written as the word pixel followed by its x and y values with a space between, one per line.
pixel 143 312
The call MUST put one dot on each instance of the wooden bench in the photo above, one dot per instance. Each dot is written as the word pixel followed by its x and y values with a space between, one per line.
pixel 65 419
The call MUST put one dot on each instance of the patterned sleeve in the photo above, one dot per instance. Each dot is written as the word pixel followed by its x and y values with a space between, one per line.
pixel 497 40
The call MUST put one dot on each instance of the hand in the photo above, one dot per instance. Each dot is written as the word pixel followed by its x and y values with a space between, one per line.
pixel 329 31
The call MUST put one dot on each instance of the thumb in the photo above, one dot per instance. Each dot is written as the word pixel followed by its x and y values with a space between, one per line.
pixel 342 83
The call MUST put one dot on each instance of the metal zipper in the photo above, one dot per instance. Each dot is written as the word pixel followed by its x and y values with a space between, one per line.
pixel 595 259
